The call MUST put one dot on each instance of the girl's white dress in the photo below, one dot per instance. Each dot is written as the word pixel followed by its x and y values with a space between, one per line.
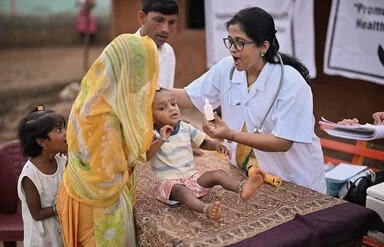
pixel 46 232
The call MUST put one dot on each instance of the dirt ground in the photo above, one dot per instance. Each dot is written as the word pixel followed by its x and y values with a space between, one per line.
pixel 34 76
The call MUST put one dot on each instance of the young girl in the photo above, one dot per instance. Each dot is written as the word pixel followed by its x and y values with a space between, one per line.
pixel 43 138
pixel 172 161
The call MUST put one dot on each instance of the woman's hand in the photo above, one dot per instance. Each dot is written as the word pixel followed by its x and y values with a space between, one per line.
pixel 350 122
pixel 378 118
pixel 217 128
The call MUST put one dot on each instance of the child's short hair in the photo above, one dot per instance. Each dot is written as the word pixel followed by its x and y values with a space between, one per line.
pixel 166 7
pixel 160 90
pixel 37 124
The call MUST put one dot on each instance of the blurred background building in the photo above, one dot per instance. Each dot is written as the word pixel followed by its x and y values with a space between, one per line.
pixel 26 23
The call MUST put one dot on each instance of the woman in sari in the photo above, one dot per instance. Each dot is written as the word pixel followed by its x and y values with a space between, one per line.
pixel 109 130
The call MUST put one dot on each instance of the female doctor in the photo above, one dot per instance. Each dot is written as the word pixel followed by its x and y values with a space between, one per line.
pixel 278 131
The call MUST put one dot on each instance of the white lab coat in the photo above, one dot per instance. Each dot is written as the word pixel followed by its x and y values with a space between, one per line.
pixel 167 64
pixel 291 117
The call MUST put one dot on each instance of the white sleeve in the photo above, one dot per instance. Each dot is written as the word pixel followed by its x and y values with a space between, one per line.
pixel 294 112
pixel 209 85
pixel 197 136
pixel 30 173
pixel 172 68
pixel 61 162
pixel 167 63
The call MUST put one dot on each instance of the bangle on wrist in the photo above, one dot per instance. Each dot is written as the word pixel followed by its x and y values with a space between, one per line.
pixel 54 209
pixel 232 138
pixel 217 145
pixel 54 206
pixel 159 137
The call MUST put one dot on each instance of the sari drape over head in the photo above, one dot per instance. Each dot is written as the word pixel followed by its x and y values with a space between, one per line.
pixel 109 131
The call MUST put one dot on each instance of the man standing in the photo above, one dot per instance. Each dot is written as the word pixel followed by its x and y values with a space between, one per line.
pixel 158 20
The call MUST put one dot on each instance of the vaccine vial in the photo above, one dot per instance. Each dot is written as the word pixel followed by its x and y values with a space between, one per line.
pixel 208 110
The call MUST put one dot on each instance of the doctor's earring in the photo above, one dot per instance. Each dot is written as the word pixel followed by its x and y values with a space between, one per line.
pixel 262 54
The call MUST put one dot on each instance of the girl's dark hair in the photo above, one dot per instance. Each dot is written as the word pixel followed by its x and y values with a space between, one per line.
pixel 37 124
pixel 166 7
pixel 260 26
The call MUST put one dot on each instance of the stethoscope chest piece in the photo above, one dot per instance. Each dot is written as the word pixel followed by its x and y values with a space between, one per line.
pixel 258 129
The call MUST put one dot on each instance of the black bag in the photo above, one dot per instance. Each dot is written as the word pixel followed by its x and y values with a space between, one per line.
pixel 379 177
pixel 358 193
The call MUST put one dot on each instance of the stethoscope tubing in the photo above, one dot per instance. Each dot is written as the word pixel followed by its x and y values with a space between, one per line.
pixel 259 128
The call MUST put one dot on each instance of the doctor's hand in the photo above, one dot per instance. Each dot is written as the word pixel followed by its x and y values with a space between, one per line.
pixel 217 128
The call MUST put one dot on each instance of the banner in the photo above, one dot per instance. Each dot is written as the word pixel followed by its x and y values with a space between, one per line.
pixel 355 40
pixel 294 22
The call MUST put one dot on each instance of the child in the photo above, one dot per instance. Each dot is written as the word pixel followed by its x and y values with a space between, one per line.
pixel 172 161
pixel 42 137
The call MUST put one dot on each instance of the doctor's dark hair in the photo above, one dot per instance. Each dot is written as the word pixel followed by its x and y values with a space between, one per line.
pixel 37 124
pixel 260 26
pixel 166 7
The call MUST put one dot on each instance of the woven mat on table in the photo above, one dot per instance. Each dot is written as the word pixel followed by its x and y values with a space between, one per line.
pixel 159 224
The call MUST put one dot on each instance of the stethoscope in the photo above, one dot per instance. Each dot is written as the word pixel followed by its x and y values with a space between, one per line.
pixel 259 128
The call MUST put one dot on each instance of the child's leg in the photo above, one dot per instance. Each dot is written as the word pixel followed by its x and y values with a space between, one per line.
pixel 252 184
pixel 185 196
pixel 246 188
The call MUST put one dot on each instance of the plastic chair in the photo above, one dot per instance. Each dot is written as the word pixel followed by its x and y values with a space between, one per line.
pixel 11 165
pixel 359 151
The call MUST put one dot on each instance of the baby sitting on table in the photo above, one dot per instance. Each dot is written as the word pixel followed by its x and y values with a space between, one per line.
pixel 172 161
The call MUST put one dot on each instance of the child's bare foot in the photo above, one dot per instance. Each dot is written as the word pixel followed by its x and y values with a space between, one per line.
pixel 252 184
pixel 213 211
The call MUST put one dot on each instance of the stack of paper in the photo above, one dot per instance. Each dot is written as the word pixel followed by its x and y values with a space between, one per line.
pixel 343 172
pixel 366 132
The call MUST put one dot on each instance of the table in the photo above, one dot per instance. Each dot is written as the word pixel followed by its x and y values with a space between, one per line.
pixel 334 226
pixel 288 216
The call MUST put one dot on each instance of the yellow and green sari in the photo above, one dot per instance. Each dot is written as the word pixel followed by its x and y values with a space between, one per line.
pixel 109 131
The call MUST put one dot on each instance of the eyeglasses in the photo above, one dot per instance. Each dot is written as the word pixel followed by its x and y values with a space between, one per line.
pixel 239 45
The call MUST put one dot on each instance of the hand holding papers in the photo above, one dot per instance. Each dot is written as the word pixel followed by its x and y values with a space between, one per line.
pixel 366 132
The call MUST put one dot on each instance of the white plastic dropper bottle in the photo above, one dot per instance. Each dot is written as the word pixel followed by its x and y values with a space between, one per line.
pixel 208 110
